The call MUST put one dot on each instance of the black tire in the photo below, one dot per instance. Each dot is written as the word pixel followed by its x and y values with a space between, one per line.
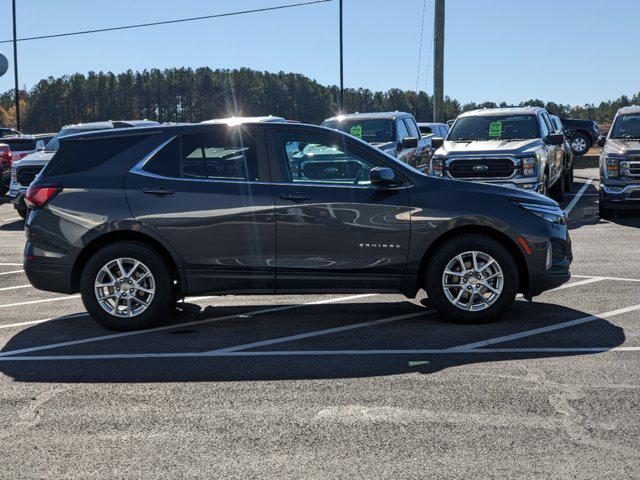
pixel 568 179
pixel 580 144
pixel 557 190
pixel 464 243
pixel 22 210
pixel 605 213
pixel 161 303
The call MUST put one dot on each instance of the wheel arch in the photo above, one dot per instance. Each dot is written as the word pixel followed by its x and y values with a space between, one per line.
pixel 121 236
pixel 502 238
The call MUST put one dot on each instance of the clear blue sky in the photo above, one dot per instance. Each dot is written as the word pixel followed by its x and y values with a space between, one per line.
pixel 495 49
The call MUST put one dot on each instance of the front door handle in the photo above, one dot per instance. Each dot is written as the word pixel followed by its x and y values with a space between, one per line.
pixel 157 191
pixel 296 196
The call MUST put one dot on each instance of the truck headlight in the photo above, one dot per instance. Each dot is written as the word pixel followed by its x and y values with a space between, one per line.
pixel 529 166
pixel 613 167
pixel 550 213
pixel 438 166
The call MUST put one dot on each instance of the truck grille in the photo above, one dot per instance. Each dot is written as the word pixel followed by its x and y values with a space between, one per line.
pixel 25 175
pixel 634 169
pixel 481 168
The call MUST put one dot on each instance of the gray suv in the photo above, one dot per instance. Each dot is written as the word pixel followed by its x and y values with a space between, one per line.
pixel 512 147
pixel 620 163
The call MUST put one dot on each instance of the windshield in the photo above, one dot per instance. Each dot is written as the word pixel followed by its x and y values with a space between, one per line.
pixel 494 127
pixel 372 131
pixel 626 127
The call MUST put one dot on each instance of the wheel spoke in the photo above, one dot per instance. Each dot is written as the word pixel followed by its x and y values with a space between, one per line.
pixel 486 265
pixel 455 274
pixel 474 257
pixel 120 267
pixel 470 304
pixel 106 285
pixel 489 287
pixel 128 306
pixel 136 264
pixel 142 289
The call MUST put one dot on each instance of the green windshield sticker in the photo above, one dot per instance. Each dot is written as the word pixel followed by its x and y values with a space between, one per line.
pixel 495 129
pixel 356 131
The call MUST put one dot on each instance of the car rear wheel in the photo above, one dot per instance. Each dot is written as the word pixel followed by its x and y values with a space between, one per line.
pixel 126 286
pixel 472 279
pixel 580 144
pixel 22 210
pixel 557 190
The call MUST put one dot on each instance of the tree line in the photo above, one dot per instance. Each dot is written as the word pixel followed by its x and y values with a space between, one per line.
pixel 188 95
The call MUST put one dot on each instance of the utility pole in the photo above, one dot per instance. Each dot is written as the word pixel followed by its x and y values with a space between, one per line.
pixel 341 102
pixel 15 67
pixel 438 64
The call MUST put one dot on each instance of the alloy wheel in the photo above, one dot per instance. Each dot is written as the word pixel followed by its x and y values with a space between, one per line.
pixel 579 144
pixel 124 287
pixel 473 281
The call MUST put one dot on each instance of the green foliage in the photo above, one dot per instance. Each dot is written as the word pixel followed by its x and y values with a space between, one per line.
pixel 187 95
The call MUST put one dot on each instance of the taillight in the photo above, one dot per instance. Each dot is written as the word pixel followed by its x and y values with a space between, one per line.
pixel 37 196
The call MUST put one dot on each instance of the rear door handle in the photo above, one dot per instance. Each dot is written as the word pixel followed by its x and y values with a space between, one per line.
pixel 157 191
pixel 296 196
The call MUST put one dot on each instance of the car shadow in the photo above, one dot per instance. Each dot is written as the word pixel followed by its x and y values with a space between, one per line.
pixel 198 331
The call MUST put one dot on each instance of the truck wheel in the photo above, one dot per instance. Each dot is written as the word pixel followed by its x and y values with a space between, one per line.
pixel 568 179
pixel 126 286
pixel 557 190
pixel 605 213
pixel 472 279
pixel 580 144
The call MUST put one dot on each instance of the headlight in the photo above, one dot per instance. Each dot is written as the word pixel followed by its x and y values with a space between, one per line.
pixel 529 166
pixel 613 166
pixel 438 166
pixel 550 213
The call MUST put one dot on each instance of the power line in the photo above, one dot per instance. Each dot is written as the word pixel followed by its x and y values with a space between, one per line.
pixel 167 22
pixel 424 6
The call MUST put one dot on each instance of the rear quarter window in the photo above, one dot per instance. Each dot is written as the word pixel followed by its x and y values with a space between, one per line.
pixel 75 156
pixel 20 145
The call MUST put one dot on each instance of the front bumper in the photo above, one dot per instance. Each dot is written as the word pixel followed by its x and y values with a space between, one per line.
pixel 620 197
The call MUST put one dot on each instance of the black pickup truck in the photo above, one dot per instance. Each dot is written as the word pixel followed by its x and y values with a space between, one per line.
pixel 582 134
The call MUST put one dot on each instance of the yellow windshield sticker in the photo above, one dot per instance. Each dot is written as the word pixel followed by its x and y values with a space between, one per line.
pixel 356 131
pixel 495 129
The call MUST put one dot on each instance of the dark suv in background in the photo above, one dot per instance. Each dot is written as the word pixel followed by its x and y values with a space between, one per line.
pixel 582 134
pixel 620 163
pixel 396 133
pixel 153 214
pixel 512 147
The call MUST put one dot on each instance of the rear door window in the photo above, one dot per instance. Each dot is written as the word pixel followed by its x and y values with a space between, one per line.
pixel 228 154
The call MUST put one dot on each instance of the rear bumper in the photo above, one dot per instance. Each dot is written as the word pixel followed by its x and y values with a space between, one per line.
pixel 51 277
pixel 620 198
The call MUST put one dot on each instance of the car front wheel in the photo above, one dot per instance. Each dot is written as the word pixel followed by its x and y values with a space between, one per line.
pixel 126 286
pixel 472 279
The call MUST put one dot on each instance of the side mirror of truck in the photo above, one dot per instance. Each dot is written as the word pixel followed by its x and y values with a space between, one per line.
pixel 601 141
pixel 436 142
pixel 554 139
pixel 409 142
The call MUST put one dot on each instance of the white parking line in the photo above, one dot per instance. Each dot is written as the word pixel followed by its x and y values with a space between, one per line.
pixel 31 302
pixel 320 353
pixel 11 272
pixel 326 331
pixel 10 264
pixel 549 328
pixel 16 287
pixel 12 219
pixel 619 279
pixel 180 325
pixel 34 322
pixel 576 199
pixel 577 284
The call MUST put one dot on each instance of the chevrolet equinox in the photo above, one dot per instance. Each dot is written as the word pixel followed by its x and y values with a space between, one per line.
pixel 138 218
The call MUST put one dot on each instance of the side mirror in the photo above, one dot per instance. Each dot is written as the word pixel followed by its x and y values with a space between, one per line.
pixel 384 177
pixel 437 142
pixel 601 141
pixel 409 142
pixel 554 139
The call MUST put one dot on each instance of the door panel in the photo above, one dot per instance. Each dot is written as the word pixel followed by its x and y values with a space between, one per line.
pixel 336 232
pixel 223 230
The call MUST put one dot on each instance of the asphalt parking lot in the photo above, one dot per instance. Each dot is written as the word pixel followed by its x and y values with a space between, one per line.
pixel 333 386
